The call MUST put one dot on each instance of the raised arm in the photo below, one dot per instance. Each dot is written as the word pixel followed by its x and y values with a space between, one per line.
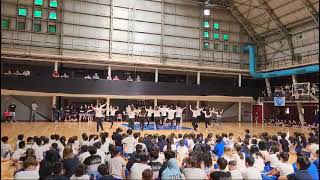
pixel 104 104
pixel 191 108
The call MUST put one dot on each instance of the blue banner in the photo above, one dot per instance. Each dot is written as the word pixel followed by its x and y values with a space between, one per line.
pixel 279 101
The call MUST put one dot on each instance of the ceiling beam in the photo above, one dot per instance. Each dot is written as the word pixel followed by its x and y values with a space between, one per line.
pixel 314 14
pixel 286 34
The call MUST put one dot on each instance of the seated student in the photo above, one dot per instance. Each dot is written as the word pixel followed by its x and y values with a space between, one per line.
pixel 117 165
pixel 147 174
pixel 222 173
pixel 251 172
pixel 55 74
pixel 172 170
pixel 284 143
pixel 5 148
pixel 29 170
pixel 115 78
pixel 182 151
pixel 8 73
pixel 192 169
pixel 26 73
pixel 109 78
pixel 138 79
pixel 129 78
pixel 235 172
pixel 93 161
pixel 303 164
pixel 95 76
pixel 80 172
pixel 219 148
pixel 57 172
pixel 47 164
pixel 17 154
pixel 65 75
pixel 17 73
pixel 316 162
pixel 87 77
pixel 138 167
pixel 155 163
pixel 70 161
pixel 283 168
pixel 104 174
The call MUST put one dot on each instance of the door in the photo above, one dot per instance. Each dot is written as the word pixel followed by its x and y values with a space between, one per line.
pixel 257 113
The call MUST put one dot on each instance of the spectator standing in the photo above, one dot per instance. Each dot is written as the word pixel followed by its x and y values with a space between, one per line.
pixel 34 108
pixel 12 110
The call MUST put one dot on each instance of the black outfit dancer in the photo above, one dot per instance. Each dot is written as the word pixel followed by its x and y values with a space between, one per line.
pixel 207 117
pixel 179 112
pixel 55 113
pixel 149 114
pixel 112 115
pixel 194 119
pixel 157 117
pixel 142 117
pixel 99 114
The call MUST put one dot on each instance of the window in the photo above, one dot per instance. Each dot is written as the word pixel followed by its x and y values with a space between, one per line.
pixel 287 110
pixel 206 12
pixel 215 25
pixel 226 37
pixel 53 3
pixel 206 45
pixel 37 14
pixel 4 24
pixel 216 46
pixel 215 36
pixel 22 12
pixel 206 34
pixel 226 47
pixel 21 25
pixel 37 27
pixel 53 15
pixel 206 24
pixel 52 29
pixel 235 48
pixel 38 2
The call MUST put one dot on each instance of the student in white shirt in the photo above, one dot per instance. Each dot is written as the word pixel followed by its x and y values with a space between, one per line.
pixel 251 172
pixel 85 153
pixel 37 147
pixel 194 118
pixel 137 168
pixel 129 144
pixel 117 165
pixel 112 116
pixel 171 113
pixel 192 169
pixel 80 173
pixel 105 142
pixel 99 114
pixel 283 168
pixel 235 172
pixel 182 152
pixel 20 138
pixel 164 111
pixel 149 114
pixel 17 154
pixel 131 115
pixel 179 112
pixel 207 115
pixel 5 148
pixel 157 116
pixel 30 170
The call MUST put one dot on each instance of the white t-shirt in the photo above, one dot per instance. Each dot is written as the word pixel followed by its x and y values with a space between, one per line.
pixel 156 113
pixel 84 177
pixel 102 155
pixel 194 173
pixel 252 173
pixel 236 174
pixel 131 114
pixel 99 112
pixel 198 112
pixel 83 156
pixel 129 144
pixel 285 168
pixel 17 154
pixel 27 175
pixel 34 106
pixel 171 114
pixel 149 112
pixel 113 112
pixel 5 149
pixel 105 146
pixel 179 112
pixel 137 169
pixel 164 111
pixel 173 147
pixel 116 166
pixel 182 152
pixel 194 113
pixel 38 151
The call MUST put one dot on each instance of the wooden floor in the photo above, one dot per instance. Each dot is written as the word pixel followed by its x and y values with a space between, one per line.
pixel 70 129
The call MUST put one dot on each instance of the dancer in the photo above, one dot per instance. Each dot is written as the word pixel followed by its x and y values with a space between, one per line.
pixel 98 109
pixel 171 113
pixel 67 116
pixel 82 113
pixel 179 112
pixel 194 118
pixel 131 115
pixel 207 116
pixel 142 117
pixel 149 114
pixel 157 117
pixel 112 116
pixel 86 115
pixel 219 117
pixel 163 110
pixel 90 113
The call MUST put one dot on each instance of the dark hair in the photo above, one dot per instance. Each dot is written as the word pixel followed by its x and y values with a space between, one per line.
pixel 285 156
pixel 283 135
pixel 103 169
pixel 85 136
pixel 22 144
pixel 232 163
pixel 5 139
pixel 38 141
pixel 222 163
pixel 254 141
pixel 144 157
pixel 254 150
pixel 57 168
pixel 262 145
pixel 20 137
pixel 304 162
pixel 169 154
pixel 54 146
pixel 147 174
pixel 129 131
pixel 181 142
pixel 97 145
pixel 274 149
pixel 139 147
pixel 92 150
pixel 80 170
pixel 250 161
pixel 30 161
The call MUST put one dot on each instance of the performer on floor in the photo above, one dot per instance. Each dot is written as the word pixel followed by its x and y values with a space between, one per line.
pixel 86 115
pixel 112 116
pixel 149 114
pixel 142 113
pixel 90 113
pixel 179 112
pixel 67 116
pixel 131 116
pixel 171 113
pixel 194 118
pixel 82 113
pixel 157 117
pixel 164 111
pixel 219 117
pixel 98 109
pixel 207 116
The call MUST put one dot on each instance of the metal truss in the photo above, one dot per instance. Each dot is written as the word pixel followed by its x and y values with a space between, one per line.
pixel 314 14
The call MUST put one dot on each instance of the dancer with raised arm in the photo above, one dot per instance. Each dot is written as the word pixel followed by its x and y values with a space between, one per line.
pixel 112 115
pixel 98 109
pixel 194 118
pixel 219 117
pixel 131 116
pixel 207 116
pixel 179 112
pixel 157 117
pixel 149 114
pixel 171 113
pixel 142 117
pixel 164 111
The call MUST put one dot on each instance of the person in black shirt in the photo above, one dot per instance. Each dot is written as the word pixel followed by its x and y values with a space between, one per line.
pixel 47 164
pixel 93 161
pixel 103 170
pixel 117 137
pixel 12 110
pixel 284 143
pixel 222 174
pixel 134 157
pixel 55 113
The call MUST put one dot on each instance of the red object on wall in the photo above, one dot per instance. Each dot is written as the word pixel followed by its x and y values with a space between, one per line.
pixel 257 113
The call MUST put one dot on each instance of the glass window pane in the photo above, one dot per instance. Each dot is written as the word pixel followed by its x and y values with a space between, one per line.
pixel 216 25
pixel 235 48
pixel 206 24
pixel 226 47
pixel 226 37
pixel 37 13
pixel 53 16
pixel 21 25
pixel 22 12
pixel 53 3
pixel 38 2
pixel 216 46
pixel 52 29
pixel 215 36
pixel 206 34
pixel 4 24
pixel 206 45
pixel 37 27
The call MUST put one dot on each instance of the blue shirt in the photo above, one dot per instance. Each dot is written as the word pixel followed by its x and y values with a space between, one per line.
pixel 219 149
pixel 312 170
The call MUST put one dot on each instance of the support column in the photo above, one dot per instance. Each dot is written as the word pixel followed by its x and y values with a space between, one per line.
pixel 108 106
pixel 55 68
pixel 239 111
pixel 198 78
pixel 54 101
pixel 198 103
pixel 155 102
pixel 299 104
pixel 268 85
pixel 239 80
pixel 156 75
pixel 109 71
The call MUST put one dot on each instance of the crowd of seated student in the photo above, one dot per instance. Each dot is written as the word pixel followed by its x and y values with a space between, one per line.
pixel 289 123
pixel 286 91
pixel 18 73
pixel 190 156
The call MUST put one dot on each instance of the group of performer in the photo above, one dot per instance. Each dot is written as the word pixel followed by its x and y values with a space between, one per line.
pixel 159 115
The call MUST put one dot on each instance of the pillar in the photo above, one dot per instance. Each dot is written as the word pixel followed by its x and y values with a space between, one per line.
pixel 239 80
pixel 55 68
pixel 198 103
pixel 198 78
pixel 299 104
pixel 109 71
pixel 268 86
pixel 108 106
pixel 155 102
pixel 239 111
pixel 54 101
pixel 156 75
